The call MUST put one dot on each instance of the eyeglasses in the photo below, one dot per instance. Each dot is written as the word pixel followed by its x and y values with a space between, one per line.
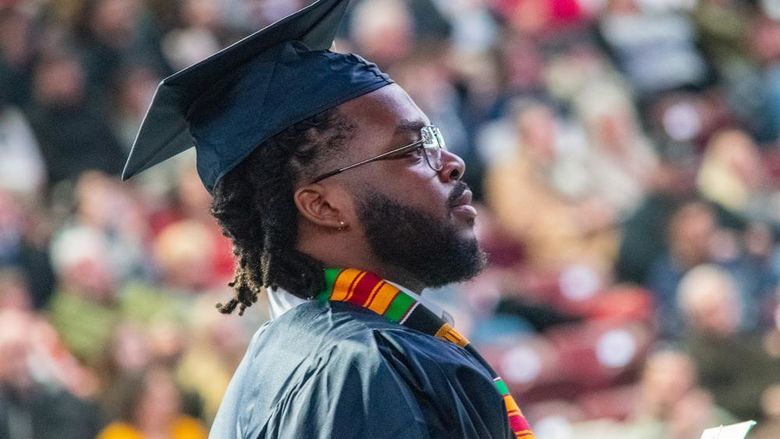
pixel 431 144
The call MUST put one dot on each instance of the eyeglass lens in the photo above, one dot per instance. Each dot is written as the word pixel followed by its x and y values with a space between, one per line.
pixel 433 144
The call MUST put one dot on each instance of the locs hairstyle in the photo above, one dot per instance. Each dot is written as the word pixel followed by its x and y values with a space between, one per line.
pixel 254 205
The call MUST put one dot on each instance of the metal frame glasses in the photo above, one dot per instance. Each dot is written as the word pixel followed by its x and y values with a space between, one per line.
pixel 431 143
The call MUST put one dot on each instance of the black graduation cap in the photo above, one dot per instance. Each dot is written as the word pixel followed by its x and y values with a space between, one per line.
pixel 229 103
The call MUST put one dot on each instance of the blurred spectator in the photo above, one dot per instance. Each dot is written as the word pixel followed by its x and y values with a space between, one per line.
pixel 723 28
pixel 183 251
pixel 216 348
pixel 770 402
pixel 733 365
pixel 150 406
pixel 757 274
pixel 30 408
pixel 11 229
pixel 620 159
pixel 535 195
pixel 383 30
pixel 111 34
pixel 522 65
pixel 199 35
pixel 83 308
pixel 764 41
pixel 22 170
pixel 13 291
pixel 533 17
pixel 23 245
pixel 106 206
pixel 689 236
pixel 130 353
pixel 725 31
pixel 133 90
pixel 662 58
pixel 74 135
pixel 733 176
pixel 191 202
pixel 669 404
pixel 18 50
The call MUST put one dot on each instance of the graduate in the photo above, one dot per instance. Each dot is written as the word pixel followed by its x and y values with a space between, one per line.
pixel 343 203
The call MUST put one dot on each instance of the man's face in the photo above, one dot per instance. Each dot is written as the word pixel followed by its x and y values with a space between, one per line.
pixel 414 219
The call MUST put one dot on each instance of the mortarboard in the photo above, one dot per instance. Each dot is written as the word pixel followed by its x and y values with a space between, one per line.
pixel 234 100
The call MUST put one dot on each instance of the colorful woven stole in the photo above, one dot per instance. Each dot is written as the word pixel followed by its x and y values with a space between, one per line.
pixel 368 290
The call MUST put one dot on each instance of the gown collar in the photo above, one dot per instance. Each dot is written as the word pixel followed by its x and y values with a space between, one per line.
pixel 280 301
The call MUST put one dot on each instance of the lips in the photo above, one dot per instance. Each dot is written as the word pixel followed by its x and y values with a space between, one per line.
pixel 461 200
pixel 461 206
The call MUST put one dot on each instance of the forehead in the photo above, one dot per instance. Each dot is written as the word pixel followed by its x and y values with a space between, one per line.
pixel 382 119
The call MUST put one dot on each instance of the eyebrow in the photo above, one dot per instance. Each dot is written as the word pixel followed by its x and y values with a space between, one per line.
pixel 407 125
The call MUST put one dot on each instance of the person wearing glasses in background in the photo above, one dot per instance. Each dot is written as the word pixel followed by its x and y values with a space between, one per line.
pixel 342 202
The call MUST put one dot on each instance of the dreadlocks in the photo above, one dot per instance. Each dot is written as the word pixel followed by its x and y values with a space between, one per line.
pixel 254 205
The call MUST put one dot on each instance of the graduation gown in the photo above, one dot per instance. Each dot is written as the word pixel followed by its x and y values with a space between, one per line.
pixel 335 370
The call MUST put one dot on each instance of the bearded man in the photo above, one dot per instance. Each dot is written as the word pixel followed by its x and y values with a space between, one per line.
pixel 342 202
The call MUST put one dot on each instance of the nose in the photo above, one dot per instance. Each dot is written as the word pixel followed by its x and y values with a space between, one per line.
pixel 453 167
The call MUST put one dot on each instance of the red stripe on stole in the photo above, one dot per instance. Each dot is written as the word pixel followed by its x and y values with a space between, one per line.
pixel 362 290
pixel 518 423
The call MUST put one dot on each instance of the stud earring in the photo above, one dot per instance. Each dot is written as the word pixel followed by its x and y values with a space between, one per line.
pixel 342 226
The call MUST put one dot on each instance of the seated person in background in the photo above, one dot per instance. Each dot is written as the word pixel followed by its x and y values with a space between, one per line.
pixel 670 404
pixel 532 196
pixel 733 365
pixel 149 405
pixel 37 405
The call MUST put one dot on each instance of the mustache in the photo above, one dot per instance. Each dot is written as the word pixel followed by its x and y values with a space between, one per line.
pixel 460 188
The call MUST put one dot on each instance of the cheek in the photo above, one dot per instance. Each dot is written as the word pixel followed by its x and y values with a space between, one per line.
pixel 424 193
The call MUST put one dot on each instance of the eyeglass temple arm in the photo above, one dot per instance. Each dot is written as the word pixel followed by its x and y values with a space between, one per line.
pixel 363 162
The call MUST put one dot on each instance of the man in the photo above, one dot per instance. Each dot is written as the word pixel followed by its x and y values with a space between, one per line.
pixel 336 190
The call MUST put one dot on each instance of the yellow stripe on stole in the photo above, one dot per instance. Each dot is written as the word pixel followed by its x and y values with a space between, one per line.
pixel 449 333
pixel 511 405
pixel 341 286
pixel 382 298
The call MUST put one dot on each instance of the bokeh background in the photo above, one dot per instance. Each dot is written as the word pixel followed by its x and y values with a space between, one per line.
pixel 623 153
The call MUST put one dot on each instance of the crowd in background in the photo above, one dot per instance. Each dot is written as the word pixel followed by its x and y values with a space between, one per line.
pixel 624 155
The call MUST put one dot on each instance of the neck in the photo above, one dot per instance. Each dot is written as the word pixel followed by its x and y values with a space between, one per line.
pixel 346 254
pixel 398 276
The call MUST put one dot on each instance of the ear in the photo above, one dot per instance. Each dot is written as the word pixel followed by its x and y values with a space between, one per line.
pixel 320 206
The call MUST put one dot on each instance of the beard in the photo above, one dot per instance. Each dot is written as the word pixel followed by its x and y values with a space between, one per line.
pixel 428 248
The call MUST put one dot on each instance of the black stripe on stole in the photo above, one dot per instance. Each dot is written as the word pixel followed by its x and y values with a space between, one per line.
pixel 423 320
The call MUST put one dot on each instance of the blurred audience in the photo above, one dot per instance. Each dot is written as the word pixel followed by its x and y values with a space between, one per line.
pixel 629 190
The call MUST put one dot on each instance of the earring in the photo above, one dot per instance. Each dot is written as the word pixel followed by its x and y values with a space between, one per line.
pixel 342 226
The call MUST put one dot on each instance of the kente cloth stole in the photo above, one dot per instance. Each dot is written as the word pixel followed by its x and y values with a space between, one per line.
pixel 368 290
